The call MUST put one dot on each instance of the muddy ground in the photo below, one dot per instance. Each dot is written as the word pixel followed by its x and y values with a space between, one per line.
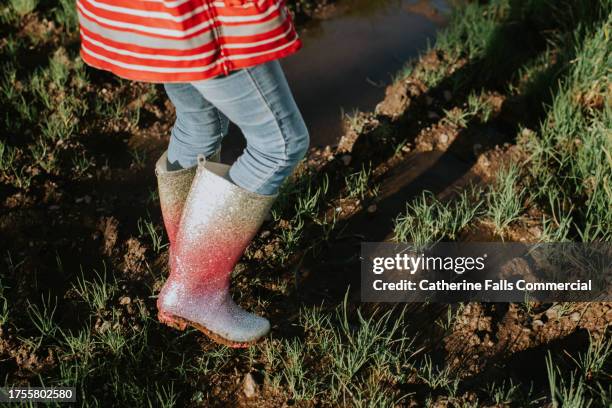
pixel 83 244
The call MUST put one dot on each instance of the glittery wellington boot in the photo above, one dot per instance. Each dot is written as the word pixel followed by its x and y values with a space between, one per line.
pixel 173 187
pixel 218 222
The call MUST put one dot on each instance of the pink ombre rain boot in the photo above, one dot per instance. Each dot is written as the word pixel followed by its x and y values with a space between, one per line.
pixel 173 187
pixel 218 222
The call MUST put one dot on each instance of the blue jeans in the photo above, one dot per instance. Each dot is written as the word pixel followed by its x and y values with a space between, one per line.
pixel 258 100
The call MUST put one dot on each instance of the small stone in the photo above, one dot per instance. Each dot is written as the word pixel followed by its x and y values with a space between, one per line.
pixel 265 234
pixel 552 313
pixel 537 323
pixel 104 326
pixel 405 148
pixel 526 132
pixel 443 138
pixel 125 300
pixel 575 317
pixel 346 159
pixel 448 95
pixel 372 208
pixel 249 386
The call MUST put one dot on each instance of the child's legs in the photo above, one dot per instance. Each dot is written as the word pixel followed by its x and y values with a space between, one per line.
pixel 199 126
pixel 259 101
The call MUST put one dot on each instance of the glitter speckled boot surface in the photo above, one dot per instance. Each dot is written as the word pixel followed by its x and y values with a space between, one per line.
pixel 173 187
pixel 218 222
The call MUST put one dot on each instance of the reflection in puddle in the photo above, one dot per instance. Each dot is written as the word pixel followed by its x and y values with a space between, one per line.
pixel 348 59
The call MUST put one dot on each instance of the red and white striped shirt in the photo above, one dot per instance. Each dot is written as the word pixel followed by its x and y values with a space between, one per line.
pixel 183 40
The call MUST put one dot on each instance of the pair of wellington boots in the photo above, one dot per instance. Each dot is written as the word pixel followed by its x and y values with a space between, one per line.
pixel 209 221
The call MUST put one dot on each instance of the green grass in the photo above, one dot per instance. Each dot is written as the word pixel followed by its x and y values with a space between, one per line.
pixel 96 292
pixel 565 392
pixel 427 220
pixel 358 185
pixel 593 363
pixel 505 199
pixel 434 377
pixel 54 111
pixel 570 154
pixel 148 229
pixel 65 14
pixel 356 356
pixel 42 316
pixel 301 201
pixel 478 105
pixel 23 7
pixel 504 393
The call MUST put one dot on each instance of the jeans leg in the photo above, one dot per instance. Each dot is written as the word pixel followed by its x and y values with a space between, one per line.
pixel 258 100
pixel 199 126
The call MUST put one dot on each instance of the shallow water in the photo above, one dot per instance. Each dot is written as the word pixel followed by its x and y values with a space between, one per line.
pixel 349 58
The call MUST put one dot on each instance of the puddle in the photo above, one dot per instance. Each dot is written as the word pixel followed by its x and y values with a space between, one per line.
pixel 349 58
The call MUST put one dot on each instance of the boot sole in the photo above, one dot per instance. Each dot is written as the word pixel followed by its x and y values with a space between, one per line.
pixel 181 324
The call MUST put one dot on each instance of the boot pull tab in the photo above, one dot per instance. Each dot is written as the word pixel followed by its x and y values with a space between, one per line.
pixel 201 160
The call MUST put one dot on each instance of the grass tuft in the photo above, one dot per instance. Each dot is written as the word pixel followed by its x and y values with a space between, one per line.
pixel 428 220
